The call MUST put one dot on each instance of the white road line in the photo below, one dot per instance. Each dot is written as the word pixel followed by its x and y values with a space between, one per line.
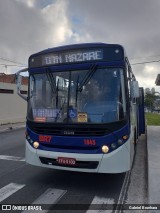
pixel 12 158
pixel 123 191
pixel 3 130
pixel 50 196
pixel 100 201
pixel 9 189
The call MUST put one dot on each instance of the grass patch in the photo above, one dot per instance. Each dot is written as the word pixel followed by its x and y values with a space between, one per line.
pixel 153 118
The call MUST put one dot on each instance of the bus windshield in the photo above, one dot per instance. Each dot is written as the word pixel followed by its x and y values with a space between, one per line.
pixel 90 96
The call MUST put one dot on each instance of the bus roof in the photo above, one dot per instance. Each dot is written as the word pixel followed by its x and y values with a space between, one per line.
pixel 77 46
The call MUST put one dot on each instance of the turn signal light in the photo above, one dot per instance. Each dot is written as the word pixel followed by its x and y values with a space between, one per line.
pixel 125 137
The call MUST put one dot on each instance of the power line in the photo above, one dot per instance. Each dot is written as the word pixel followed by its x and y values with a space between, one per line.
pixel 151 56
pixel 146 62
pixel 12 65
pixel 10 60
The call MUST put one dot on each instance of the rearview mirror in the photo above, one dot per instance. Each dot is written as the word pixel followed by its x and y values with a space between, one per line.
pixel 19 83
pixel 134 89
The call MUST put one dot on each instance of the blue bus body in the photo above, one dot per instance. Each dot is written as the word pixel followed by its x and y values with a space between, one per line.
pixel 142 124
pixel 71 133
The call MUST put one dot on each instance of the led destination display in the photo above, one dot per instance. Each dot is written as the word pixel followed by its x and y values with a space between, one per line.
pixel 70 57
pixel 76 56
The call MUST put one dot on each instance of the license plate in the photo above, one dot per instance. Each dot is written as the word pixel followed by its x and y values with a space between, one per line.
pixel 66 161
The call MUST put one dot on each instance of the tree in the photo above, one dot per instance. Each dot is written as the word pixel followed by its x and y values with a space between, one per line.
pixel 150 98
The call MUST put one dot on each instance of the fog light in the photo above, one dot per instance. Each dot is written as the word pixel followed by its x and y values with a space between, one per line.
pixel 105 149
pixel 28 137
pixel 120 142
pixel 113 146
pixel 36 144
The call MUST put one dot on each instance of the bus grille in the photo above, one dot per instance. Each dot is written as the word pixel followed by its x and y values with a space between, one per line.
pixel 67 130
pixel 85 148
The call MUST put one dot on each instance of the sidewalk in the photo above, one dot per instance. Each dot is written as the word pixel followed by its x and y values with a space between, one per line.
pixel 153 134
pixel 9 127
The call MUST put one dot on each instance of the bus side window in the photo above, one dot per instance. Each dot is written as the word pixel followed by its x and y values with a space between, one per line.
pixel 129 81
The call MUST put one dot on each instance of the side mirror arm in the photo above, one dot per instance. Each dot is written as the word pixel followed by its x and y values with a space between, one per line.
pixel 19 83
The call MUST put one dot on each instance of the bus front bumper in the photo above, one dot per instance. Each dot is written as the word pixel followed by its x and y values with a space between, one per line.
pixel 117 161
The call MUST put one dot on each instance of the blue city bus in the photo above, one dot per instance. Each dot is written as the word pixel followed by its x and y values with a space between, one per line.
pixel 82 109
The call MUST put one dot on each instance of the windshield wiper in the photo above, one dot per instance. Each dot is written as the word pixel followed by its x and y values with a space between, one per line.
pixel 85 80
pixel 87 77
pixel 77 90
pixel 51 80
pixel 57 89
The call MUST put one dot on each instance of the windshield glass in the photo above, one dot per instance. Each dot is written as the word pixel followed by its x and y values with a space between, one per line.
pixel 80 96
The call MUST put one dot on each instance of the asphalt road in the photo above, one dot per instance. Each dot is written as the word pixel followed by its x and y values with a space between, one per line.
pixel 25 184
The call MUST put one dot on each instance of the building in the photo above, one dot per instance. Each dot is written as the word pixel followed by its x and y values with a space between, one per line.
pixel 157 82
pixel 12 107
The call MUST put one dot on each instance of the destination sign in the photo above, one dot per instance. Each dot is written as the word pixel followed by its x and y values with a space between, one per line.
pixel 81 55
pixel 74 56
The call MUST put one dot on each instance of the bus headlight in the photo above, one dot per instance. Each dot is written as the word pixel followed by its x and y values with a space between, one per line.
pixel 105 149
pixel 35 144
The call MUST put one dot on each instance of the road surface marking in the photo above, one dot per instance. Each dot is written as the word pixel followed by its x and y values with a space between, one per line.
pixel 100 201
pixel 13 158
pixel 50 196
pixel 3 130
pixel 123 191
pixel 9 189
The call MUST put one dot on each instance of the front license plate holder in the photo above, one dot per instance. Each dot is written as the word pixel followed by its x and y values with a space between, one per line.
pixel 66 161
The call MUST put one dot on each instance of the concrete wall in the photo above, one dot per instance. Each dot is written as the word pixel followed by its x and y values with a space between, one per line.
pixel 12 108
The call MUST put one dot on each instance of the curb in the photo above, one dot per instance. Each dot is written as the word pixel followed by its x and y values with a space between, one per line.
pixel 11 128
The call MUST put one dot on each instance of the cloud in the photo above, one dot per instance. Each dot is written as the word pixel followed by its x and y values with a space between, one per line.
pixel 27 29
pixel 134 24
pixel 28 26
pixel 57 23
pixel 29 3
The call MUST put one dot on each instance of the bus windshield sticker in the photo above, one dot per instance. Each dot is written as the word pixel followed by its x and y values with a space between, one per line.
pixel 82 117
pixel 40 119
pixel 115 74
pixel 73 113
pixel 47 113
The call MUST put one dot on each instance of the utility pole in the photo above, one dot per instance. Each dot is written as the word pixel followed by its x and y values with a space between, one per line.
pixel 6 69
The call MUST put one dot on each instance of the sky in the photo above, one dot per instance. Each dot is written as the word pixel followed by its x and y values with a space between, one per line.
pixel 29 26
